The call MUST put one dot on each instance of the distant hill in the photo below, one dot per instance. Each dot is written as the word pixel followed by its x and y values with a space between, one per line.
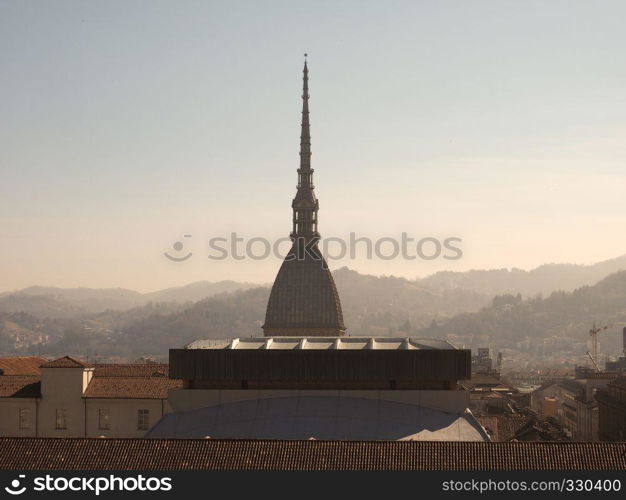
pixel 51 302
pixel 563 317
pixel 66 302
pixel 378 305
pixel 388 306
pixel 42 306
pixel 371 306
pixel 476 304
pixel 442 293
pixel 195 291
pixel 228 315
pixel 544 279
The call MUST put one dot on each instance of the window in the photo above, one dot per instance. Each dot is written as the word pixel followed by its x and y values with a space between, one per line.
pixel 143 420
pixel 103 419
pixel 24 418
pixel 61 422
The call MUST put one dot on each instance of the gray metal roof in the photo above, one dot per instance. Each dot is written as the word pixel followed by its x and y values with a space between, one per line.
pixel 322 343
pixel 320 417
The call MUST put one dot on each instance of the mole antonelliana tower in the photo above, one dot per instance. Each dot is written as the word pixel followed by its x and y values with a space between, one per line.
pixel 305 379
pixel 304 299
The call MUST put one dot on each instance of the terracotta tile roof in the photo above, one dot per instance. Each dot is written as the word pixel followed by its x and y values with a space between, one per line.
pixel 26 365
pixel 131 370
pixel 121 387
pixel 119 381
pixel 503 427
pixel 214 454
pixel 65 362
pixel 20 386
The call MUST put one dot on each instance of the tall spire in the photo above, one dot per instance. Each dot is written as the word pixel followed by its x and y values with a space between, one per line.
pixel 305 134
pixel 305 204
pixel 304 299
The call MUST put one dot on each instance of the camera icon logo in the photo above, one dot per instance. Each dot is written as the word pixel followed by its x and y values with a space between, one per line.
pixel 178 247
pixel 15 489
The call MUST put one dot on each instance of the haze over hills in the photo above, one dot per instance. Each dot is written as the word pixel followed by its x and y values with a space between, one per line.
pixel 560 321
pixel 124 322
pixel 194 292
pixel 544 279
pixel 464 289
pixel 70 302
pixel 536 326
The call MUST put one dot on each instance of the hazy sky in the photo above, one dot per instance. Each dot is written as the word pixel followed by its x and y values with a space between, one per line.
pixel 128 124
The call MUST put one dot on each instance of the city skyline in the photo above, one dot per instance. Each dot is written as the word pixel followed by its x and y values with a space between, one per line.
pixel 115 147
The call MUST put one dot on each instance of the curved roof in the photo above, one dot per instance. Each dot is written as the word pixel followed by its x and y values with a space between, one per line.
pixel 304 297
pixel 320 417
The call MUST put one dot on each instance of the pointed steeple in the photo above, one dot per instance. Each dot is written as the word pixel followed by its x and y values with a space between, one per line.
pixel 305 134
pixel 305 204
pixel 304 299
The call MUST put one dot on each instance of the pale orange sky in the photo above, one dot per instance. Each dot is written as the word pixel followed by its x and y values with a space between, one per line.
pixel 128 126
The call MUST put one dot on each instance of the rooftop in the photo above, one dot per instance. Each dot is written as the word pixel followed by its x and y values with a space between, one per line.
pixel 619 382
pixel 65 362
pixel 503 427
pixel 214 454
pixel 328 417
pixel 115 381
pixel 603 375
pixel 21 365
pixel 130 387
pixel 322 363
pixel 131 370
pixel 322 343
pixel 19 386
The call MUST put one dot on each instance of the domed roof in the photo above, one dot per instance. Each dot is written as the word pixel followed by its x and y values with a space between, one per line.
pixel 304 299
pixel 328 417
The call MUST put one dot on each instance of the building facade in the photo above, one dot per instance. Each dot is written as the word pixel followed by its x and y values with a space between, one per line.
pixel 70 398
pixel 612 411
pixel 573 403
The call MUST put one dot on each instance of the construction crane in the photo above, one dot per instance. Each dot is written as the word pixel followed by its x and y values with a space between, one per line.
pixel 594 342
pixel 593 361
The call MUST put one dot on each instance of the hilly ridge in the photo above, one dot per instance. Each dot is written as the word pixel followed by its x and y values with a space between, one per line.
pixel 82 321
pixel 70 302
